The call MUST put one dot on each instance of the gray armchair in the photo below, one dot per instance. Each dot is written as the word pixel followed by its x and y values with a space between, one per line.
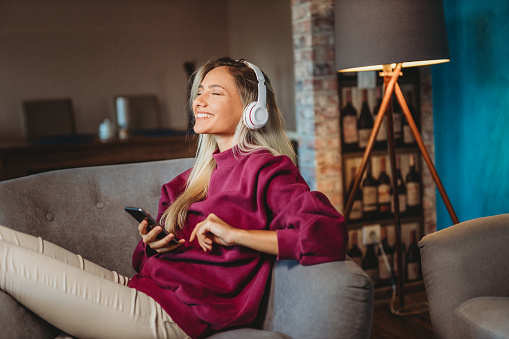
pixel 82 210
pixel 466 275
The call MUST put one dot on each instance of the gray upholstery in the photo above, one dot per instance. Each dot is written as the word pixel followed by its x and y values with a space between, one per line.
pixel 321 301
pixel 484 317
pixel 248 333
pixel 461 266
pixel 18 322
pixel 82 210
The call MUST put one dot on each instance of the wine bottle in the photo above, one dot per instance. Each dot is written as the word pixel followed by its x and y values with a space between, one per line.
pixel 397 114
pixel 356 212
pixel 384 273
pixel 413 184
pixel 408 136
pixel 401 189
pixel 381 137
pixel 384 189
pixel 370 263
pixel 365 121
pixel 354 252
pixel 413 259
pixel 349 119
pixel 369 195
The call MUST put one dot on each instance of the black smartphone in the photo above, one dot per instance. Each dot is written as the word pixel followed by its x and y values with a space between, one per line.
pixel 139 214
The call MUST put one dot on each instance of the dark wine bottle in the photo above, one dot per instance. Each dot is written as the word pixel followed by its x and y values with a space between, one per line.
pixel 356 212
pixel 369 195
pixel 370 263
pixel 397 115
pixel 408 136
pixel 354 252
pixel 349 120
pixel 384 272
pixel 402 192
pixel 381 137
pixel 384 189
pixel 413 259
pixel 365 121
pixel 413 184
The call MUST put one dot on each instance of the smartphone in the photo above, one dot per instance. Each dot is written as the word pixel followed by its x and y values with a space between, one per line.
pixel 139 214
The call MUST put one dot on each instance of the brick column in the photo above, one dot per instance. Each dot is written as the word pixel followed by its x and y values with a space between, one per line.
pixel 316 96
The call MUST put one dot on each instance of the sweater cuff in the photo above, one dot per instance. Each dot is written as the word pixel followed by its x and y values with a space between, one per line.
pixel 288 244
pixel 149 252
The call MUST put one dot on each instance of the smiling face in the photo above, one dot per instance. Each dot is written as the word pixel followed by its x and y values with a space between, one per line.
pixel 218 107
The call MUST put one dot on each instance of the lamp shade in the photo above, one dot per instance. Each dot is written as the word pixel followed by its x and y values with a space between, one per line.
pixel 373 33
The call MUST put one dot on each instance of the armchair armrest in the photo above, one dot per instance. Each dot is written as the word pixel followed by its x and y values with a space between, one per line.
pixel 334 299
pixel 462 262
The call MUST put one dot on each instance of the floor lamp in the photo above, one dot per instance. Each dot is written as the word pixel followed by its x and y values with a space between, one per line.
pixel 388 35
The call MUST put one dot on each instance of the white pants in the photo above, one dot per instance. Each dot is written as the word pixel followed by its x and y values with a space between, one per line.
pixel 76 295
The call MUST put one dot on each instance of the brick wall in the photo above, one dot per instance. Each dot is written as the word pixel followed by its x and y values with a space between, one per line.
pixel 317 102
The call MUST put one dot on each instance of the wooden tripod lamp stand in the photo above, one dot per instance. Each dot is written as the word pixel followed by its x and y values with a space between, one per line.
pixel 388 35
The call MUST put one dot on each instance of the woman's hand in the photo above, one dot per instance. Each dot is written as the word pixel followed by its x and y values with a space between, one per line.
pixel 214 229
pixel 158 245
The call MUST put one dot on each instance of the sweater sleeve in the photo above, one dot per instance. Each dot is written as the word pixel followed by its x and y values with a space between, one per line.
pixel 309 229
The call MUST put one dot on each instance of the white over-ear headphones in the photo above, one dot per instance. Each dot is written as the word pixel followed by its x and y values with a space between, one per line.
pixel 255 114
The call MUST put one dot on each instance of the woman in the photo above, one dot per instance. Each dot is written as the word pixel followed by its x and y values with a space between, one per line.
pixel 242 206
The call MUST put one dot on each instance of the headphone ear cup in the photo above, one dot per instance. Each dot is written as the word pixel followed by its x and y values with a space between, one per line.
pixel 255 116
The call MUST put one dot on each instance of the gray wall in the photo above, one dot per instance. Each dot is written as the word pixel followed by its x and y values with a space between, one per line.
pixel 91 50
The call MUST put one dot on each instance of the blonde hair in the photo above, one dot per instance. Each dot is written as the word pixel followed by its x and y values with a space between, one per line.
pixel 271 137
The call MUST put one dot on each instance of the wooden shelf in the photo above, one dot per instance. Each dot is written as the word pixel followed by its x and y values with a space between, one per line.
pixel 389 220
pixel 20 158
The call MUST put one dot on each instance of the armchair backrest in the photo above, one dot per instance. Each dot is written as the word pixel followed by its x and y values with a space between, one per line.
pixel 82 209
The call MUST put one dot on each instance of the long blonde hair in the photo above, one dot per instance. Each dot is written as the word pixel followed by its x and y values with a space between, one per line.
pixel 271 137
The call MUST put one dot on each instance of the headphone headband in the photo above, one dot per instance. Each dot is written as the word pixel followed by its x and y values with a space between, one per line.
pixel 255 114
pixel 262 90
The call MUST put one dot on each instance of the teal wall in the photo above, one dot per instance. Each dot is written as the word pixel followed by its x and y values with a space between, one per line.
pixel 471 110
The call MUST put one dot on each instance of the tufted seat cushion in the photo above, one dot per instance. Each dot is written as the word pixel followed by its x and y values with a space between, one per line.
pixel 72 207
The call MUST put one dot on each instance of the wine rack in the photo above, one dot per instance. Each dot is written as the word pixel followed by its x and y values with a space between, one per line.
pixel 373 203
